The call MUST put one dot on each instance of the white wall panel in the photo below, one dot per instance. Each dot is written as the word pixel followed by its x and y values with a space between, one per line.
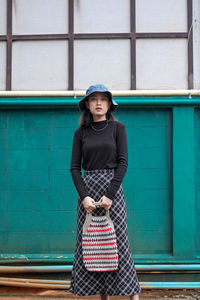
pixel 161 64
pixel 92 16
pixel 40 65
pixel 2 65
pixel 3 14
pixel 196 41
pixel 40 16
pixel 102 61
pixel 161 16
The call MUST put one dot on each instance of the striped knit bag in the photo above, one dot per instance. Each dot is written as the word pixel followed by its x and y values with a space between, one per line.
pixel 99 243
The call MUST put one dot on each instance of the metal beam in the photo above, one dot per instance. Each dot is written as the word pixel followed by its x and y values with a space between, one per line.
pixel 116 93
pixel 68 268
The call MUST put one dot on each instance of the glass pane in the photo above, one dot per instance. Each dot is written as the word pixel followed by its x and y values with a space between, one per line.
pixel 2 65
pixel 3 13
pixel 161 64
pixel 102 61
pixel 40 16
pixel 40 65
pixel 196 43
pixel 161 16
pixel 101 16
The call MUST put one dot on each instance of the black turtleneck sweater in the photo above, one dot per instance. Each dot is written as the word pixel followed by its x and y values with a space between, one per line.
pixel 105 149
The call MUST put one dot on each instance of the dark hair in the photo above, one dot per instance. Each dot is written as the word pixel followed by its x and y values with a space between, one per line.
pixel 86 117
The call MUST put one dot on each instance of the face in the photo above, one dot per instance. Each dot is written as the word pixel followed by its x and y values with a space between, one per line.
pixel 98 103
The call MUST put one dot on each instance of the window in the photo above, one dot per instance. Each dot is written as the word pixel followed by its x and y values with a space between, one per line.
pixel 68 44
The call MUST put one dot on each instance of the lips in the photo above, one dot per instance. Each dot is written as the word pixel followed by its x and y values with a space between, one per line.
pixel 98 108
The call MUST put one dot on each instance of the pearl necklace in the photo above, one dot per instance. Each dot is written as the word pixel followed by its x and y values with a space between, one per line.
pixel 100 128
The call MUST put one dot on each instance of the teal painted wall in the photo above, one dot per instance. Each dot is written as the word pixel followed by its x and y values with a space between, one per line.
pixel 38 200
pixel 197 180
pixel 148 183
pixel 162 184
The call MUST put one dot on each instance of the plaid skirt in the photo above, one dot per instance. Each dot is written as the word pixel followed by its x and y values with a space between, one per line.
pixel 121 282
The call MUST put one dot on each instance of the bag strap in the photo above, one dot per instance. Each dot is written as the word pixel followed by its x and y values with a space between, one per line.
pixel 106 214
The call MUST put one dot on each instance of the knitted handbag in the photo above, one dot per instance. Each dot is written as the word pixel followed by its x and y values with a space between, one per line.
pixel 99 243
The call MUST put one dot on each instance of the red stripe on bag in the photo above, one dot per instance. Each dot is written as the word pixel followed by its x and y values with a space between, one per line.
pixel 98 230
pixel 100 244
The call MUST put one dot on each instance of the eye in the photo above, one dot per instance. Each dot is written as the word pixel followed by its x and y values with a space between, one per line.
pixel 92 98
pixel 104 98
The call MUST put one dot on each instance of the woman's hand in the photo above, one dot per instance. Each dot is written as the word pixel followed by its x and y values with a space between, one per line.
pixel 105 202
pixel 88 204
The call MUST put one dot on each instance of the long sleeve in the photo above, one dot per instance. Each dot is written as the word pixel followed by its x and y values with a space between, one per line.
pixel 122 158
pixel 76 166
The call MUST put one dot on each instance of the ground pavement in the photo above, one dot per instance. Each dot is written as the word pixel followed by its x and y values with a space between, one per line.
pixel 18 293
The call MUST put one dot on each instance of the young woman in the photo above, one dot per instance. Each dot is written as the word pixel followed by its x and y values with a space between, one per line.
pixel 101 142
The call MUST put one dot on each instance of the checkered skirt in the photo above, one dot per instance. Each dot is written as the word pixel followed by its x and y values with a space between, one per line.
pixel 121 282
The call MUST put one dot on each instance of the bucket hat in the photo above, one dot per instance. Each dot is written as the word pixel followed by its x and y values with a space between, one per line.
pixel 97 88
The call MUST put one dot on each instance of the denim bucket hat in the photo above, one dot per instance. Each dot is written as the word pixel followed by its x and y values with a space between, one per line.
pixel 97 88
